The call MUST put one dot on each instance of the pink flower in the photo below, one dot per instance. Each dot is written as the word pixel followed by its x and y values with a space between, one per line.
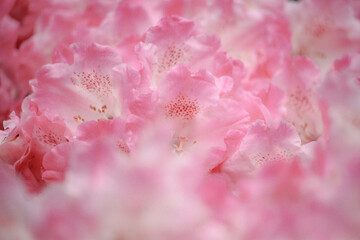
pixel 263 143
pixel 172 42
pixel 179 119
pixel 325 31
pixel 300 79
pixel 88 86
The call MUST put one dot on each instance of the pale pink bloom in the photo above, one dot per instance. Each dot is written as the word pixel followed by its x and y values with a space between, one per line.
pixel 184 99
pixel 25 141
pixel 198 89
pixel 341 85
pixel 264 143
pixel 172 42
pixel 120 24
pixel 340 94
pixel 143 124
pixel 259 36
pixel 300 79
pixel 56 22
pixel 56 161
pixel 86 90
pixel 129 19
pixel 324 30
pixel 190 101
pixel 42 135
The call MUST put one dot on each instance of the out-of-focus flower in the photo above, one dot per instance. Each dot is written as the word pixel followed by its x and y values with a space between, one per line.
pixel 205 119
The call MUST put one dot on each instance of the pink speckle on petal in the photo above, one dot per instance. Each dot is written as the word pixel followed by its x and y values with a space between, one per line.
pixel 180 119
pixel 49 137
pixel 93 82
pixel 124 147
pixel 170 57
pixel 260 159
pixel 300 100
pixel 182 107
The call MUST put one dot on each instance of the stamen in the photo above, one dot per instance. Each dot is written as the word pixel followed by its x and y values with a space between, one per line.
pixel 181 141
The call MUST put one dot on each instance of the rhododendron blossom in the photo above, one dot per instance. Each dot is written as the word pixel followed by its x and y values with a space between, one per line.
pixel 180 119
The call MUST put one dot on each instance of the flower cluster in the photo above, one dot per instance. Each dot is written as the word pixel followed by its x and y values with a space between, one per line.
pixel 179 119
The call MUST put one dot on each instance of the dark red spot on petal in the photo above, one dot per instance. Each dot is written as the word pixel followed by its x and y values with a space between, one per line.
pixel 182 107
